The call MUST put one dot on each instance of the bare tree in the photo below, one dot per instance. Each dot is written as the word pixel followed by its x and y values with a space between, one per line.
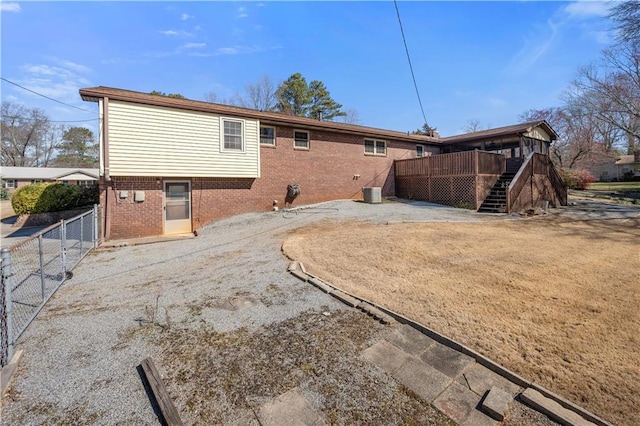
pixel 23 131
pixel 611 91
pixel 626 15
pixel 260 95
pixel 351 117
pixel 472 125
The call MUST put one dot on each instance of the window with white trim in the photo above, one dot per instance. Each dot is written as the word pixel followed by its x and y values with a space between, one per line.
pixel 374 147
pixel 300 139
pixel 233 135
pixel 9 183
pixel 268 135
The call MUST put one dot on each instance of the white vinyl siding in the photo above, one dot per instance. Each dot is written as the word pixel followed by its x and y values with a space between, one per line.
pixel 300 139
pixel 373 147
pixel 538 133
pixel 147 140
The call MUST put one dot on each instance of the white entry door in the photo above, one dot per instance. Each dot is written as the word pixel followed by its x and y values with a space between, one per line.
pixel 177 208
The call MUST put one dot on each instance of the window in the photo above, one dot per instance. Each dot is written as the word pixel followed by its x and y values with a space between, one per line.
pixel 268 135
pixel 9 183
pixel 421 151
pixel 372 147
pixel 300 139
pixel 36 180
pixel 233 135
pixel 65 182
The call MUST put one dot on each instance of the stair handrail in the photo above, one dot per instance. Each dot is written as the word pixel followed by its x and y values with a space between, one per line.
pixel 557 183
pixel 518 181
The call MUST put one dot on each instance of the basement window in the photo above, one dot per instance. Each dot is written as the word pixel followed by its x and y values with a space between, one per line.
pixel 373 147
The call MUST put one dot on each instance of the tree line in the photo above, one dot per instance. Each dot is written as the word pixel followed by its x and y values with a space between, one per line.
pixel 30 139
pixel 294 96
pixel 599 117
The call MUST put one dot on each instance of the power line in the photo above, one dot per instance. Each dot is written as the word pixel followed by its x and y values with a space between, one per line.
pixel 45 96
pixel 50 121
pixel 404 40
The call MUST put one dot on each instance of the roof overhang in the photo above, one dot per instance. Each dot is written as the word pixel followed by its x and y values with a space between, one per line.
pixel 93 94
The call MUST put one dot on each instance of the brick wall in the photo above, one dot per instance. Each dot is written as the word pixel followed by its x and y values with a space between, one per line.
pixel 326 171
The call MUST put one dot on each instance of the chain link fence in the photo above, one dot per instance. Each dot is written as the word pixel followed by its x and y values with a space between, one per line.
pixel 33 269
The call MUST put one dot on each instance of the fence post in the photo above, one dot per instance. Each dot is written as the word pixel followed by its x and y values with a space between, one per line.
pixel 5 253
pixel 81 232
pixel 95 226
pixel 63 247
pixel 40 251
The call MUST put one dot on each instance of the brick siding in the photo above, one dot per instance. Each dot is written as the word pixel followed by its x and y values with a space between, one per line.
pixel 326 171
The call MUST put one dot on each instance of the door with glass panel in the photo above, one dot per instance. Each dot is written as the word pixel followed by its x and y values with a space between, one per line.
pixel 177 208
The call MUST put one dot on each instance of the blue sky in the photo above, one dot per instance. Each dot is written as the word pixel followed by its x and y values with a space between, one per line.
pixel 485 61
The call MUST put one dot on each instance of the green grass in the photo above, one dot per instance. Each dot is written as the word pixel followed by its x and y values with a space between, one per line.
pixel 620 187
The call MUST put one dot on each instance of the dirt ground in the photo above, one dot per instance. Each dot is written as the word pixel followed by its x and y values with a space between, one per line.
pixel 552 299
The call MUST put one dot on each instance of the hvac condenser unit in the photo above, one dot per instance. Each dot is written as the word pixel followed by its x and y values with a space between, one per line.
pixel 372 195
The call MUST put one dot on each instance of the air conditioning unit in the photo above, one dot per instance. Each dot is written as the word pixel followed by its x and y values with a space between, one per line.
pixel 372 195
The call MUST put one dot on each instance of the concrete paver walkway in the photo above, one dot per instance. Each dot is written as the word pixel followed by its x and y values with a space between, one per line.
pixel 453 382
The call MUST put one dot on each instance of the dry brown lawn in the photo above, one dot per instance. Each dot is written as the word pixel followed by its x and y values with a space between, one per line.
pixel 556 301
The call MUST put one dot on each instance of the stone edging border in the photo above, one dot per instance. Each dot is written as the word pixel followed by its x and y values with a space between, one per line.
pixel 298 270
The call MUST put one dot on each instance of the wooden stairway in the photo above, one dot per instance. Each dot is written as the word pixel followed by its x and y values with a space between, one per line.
pixel 496 201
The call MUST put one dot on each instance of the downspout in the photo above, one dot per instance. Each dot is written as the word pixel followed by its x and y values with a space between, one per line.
pixel 107 176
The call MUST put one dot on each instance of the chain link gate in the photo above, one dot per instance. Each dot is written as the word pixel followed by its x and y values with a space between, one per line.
pixel 33 269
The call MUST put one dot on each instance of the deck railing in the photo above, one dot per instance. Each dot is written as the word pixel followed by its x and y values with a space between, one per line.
pixel 535 165
pixel 455 164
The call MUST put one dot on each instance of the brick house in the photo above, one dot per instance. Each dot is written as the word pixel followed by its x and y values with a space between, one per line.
pixel 169 166
pixel 15 177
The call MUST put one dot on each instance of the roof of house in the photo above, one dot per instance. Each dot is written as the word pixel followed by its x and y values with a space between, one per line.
pixel 48 173
pixel 516 129
pixel 93 94
pixel 625 159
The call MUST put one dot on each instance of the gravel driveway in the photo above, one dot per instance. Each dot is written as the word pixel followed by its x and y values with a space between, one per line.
pixel 225 323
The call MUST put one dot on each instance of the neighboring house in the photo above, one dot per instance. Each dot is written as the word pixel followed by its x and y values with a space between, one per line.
pixel 628 165
pixel 169 166
pixel 15 177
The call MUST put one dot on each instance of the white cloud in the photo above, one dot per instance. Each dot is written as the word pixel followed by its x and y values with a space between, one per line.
pixel 535 46
pixel 242 12
pixel 186 16
pixel 237 50
pixel 193 45
pixel 171 33
pixel 587 9
pixel 75 67
pixel 57 82
pixel 10 7
pixel 227 51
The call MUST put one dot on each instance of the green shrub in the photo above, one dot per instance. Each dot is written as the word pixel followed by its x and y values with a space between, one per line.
pixel 4 194
pixel 51 197
pixel 25 198
pixel 58 197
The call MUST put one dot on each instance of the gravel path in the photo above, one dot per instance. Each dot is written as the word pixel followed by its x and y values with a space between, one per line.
pixel 170 300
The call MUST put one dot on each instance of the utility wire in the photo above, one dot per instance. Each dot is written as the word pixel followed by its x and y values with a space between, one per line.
pixel 49 121
pixel 45 96
pixel 404 40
